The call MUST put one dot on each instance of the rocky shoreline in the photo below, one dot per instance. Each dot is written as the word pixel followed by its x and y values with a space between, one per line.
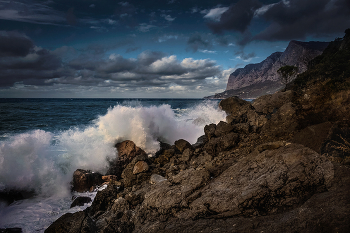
pixel 244 175
pixel 278 164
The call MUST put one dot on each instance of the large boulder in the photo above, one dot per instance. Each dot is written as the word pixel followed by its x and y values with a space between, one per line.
pixel 84 180
pixel 273 177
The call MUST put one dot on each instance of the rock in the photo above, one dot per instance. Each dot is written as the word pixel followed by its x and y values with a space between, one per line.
pixel 103 199
pixel 155 179
pixel 79 222
pixel 337 144
pixel 109 178
pixel 222 128
pixel 283 122
pixel 140 166
pixel 9 196
pixel 269 104
pixel 127 151
pixel 236 109
pixel 164 196
pixel 242 128
pixel 222 143
pixel 186 155
pixel 265 182
pixel 200 141
pixel 83 180
pixel 182 144
pixel 80 201
pixel 313 136
pixel 165 157
pixel 209 131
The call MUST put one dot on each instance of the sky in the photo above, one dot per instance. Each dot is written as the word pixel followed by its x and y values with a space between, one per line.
pixel 149 49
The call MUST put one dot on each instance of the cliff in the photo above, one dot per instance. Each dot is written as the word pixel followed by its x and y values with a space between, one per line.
pixel 258 79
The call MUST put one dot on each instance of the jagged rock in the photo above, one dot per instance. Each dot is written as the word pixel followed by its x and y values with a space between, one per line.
pixel 165 157
pixel 103 199
pixel 222 143
pixel 127 151
pixel 265 182
pixel 140 166
pixel 182 144
pixel 80 201
pixel 209 131
pixel 186 155
pixel 242 128
pixel 83 180
pixel 155 178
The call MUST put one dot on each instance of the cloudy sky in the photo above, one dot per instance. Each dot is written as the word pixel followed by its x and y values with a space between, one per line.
pixel 159 48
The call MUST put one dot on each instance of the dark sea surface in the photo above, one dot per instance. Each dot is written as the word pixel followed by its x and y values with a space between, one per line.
pixel 43 141
pixel 20 115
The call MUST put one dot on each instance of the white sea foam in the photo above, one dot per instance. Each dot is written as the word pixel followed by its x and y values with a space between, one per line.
pixel 45 161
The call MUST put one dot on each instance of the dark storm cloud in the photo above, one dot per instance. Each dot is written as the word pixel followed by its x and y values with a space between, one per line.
pixel 14 44
pixel 33 65
pixel 237 17
pixel 196 42
pixel 297 19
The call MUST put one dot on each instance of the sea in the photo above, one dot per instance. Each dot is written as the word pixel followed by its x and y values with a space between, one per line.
pixel 43 141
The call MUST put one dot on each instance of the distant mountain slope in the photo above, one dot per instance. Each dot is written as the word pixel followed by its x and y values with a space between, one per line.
pixel 258 79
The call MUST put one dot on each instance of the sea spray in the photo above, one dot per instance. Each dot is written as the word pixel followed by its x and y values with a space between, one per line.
pixel 45 161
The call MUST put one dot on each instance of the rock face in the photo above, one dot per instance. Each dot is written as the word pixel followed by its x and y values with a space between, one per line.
pixel 296 54
pixel 127 151
pixel 262 78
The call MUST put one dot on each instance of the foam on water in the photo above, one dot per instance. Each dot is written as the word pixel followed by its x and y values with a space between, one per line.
pixel 45 161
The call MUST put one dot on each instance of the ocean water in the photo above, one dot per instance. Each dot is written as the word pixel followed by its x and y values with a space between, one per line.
pixel 43 141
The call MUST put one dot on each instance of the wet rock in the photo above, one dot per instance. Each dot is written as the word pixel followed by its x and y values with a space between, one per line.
pixel 80 201
pixel 182 144
pixel 79 222
pixel 140 166
pixel 155 178
pixel 83 180
pixel 265 182
pixel 104 198
pixel 9 196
